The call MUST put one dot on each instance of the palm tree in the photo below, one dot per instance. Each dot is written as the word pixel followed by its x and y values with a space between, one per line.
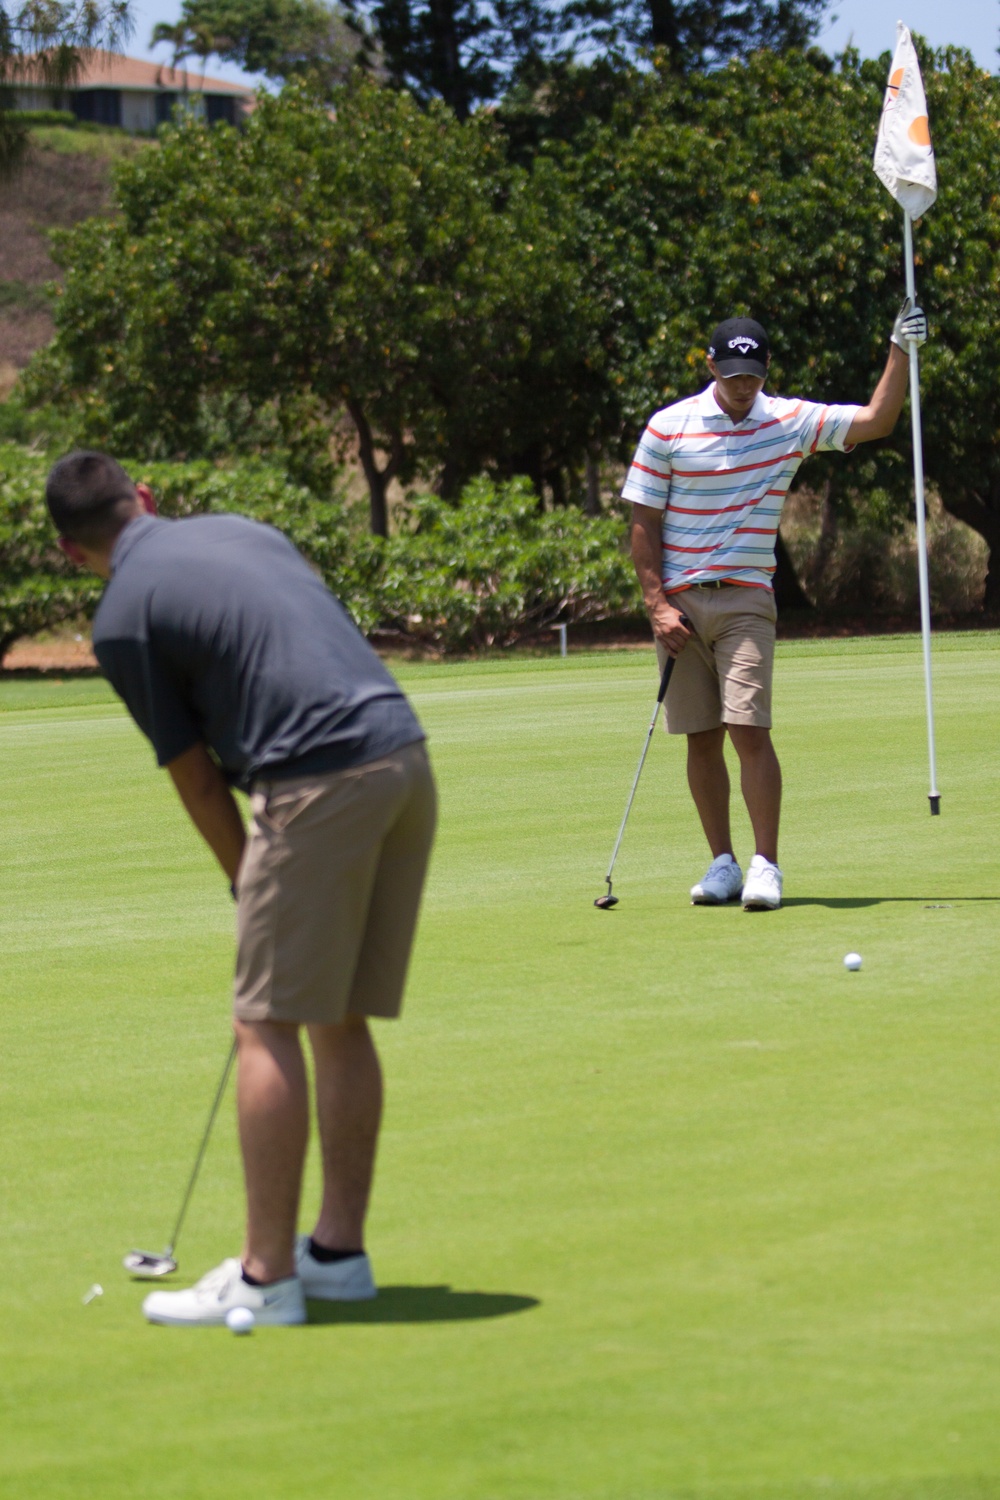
pixel 187 40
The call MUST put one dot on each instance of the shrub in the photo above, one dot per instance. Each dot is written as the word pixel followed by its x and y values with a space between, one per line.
pixel 47 117
pixel 868 567
pixel 485 573
pixel 41 590
pixel 348 560
pixel 496 568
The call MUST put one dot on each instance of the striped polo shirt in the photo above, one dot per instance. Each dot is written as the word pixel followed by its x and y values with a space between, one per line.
pixel 721 484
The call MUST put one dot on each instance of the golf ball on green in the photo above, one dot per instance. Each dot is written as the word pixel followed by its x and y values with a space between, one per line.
pixel 239 1320
pixel 852 961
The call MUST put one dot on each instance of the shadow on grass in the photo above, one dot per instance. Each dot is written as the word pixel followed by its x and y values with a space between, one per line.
pixel 420 1304
pixel 849 902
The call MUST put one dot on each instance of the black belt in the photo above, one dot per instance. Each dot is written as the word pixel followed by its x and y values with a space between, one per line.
pixel 714 583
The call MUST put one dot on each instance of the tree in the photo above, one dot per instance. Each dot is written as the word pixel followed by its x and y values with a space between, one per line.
pixel 42 42
pixel 187 40
pixel 958 275
pixel 697 34
pixel 469 51
pixel 463 52
pixel 283 39
pixel 385 264
pixel 465 314
pixel 750 190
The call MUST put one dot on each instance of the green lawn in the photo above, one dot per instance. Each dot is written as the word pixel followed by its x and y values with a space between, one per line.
pixel 670 1206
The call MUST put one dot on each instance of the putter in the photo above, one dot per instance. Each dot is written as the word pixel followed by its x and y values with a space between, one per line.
pixel 146 1264
pixel 608 900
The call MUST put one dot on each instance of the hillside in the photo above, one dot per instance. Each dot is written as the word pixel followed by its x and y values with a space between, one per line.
pixel 66 177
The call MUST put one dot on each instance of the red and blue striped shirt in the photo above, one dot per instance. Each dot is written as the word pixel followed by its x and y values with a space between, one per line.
pixel 721 484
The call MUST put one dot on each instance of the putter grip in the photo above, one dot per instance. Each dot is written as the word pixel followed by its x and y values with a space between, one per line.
pixel 669 667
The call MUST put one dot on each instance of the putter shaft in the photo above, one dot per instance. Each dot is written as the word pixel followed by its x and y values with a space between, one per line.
pixel 145 1263
pixel 608 900
pixel 202 1148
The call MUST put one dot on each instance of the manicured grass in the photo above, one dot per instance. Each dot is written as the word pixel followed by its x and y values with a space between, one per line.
pixel 670 1206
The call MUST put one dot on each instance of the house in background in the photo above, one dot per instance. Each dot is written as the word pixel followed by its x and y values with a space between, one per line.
pixel 138 96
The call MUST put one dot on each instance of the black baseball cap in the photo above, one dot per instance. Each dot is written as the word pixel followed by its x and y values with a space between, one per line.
pixel 740 347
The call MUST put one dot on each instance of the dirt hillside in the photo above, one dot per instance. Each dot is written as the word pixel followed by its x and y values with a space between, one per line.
pixel 66 177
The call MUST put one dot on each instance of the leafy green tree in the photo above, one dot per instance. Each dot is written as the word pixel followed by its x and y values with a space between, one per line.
pixel 383 264
pixel 43 42
pixel 185 39
pixel 468 51
pixel 463 51
pixel 283 39
pixel 750 190
pixel 390 265
pixel 697 34
pixel 438 51
pixel 958 273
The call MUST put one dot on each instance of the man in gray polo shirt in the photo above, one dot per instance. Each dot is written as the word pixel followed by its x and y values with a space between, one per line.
pixel 243 670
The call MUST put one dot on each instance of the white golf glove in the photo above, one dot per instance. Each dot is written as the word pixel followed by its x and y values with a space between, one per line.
pixel 910 326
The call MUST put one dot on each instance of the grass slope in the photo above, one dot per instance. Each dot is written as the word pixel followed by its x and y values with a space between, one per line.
pixel 670 1206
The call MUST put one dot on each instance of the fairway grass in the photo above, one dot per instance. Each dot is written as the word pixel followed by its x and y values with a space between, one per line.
pixel 670 1206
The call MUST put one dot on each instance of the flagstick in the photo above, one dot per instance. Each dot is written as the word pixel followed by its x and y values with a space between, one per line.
pixel 918 480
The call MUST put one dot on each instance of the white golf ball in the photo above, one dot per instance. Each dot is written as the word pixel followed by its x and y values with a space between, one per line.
pixel 239 1320
pixel 852 961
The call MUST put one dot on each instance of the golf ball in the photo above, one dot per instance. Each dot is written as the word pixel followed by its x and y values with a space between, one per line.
pixel 852 961
pixel 239 1320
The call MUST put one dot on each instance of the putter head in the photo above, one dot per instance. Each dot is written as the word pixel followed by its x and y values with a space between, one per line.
pixel 605 903
pixel 146 1265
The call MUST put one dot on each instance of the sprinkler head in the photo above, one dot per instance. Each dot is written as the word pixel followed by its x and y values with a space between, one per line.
pixel 605 903
pixel 146 1265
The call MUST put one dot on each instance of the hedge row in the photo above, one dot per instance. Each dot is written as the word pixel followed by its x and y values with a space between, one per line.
pixel 486 572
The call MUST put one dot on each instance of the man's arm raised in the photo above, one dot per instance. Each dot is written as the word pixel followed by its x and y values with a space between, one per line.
pixel 211 806
pixel 879 417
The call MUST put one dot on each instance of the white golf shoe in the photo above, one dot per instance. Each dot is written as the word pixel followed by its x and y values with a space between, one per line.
pixel 347 1280
pixel 206 1304
pixel 722 881
pixel 762 891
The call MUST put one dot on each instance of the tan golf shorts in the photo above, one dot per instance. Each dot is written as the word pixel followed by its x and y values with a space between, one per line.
pixel 723 675
pixel 329 891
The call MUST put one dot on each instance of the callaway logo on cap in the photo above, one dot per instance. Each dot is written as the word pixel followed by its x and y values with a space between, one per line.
pixel 740 347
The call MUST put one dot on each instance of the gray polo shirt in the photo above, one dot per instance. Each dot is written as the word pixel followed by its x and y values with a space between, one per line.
pixel 215 629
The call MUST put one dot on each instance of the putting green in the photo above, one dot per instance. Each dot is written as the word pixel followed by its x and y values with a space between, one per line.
pixel 669 1205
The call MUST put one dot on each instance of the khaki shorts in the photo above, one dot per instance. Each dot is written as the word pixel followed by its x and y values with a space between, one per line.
pixel 723 675
pixel 329 891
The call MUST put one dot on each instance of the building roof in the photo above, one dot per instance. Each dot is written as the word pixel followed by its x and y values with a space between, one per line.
pixel 109 70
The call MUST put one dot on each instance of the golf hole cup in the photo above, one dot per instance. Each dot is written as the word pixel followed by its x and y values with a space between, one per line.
pixel 852 961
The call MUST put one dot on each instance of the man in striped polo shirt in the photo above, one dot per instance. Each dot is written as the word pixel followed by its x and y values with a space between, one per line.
pixel 707 485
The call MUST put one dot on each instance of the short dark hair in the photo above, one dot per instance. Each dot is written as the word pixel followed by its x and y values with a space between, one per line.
pixel 90 497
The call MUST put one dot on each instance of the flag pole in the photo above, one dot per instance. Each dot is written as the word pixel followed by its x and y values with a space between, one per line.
pixel 934 796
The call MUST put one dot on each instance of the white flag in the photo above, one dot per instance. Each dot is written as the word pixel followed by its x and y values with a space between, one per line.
pixel 904 156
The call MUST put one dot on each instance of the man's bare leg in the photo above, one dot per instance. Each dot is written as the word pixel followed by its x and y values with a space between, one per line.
pixel 349 1108
pixel 708 778
pixel 760 781
pixel 273 1110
